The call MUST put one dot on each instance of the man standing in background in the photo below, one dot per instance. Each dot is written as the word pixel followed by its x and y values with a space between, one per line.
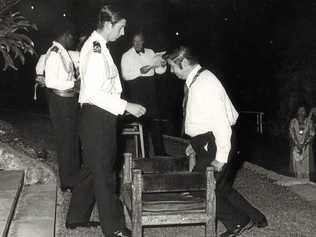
pixel 63 105
pixel 139 66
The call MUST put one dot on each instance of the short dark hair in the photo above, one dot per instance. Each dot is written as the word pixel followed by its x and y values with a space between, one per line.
pixel 109 13
pixel 183 52
pixel 140 33
pixel 64 28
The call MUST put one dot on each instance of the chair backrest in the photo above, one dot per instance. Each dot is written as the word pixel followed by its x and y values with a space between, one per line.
pixel 162 164
pixel 174 182
pixel 174 178
pixel 157 165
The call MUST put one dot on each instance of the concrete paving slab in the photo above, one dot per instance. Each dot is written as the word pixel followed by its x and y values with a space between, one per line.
pixel 10 188
pixel 37 201
pixel 2 227
pixel 10 180
pixel 5 208
pixel 42 188
pixel 7 194
pixel 35 213
pixel 40 228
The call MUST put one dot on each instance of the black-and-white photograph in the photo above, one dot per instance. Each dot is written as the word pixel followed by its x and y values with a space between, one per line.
pixel 157 118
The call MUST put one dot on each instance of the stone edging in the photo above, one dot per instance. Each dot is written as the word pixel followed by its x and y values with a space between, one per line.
pixel 36 172
pixel 276 178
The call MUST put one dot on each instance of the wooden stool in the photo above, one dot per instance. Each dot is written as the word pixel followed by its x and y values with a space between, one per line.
pixel 136 129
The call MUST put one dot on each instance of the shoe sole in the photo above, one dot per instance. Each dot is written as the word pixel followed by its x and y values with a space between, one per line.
pixel 246 228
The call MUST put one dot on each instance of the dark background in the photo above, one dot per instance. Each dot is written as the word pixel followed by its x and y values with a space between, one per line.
pixel 254 47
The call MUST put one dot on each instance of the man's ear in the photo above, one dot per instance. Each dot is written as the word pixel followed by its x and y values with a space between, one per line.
pixel 107 25
pixel 185 63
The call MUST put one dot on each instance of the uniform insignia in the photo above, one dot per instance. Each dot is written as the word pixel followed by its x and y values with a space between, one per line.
pixel 55 49
pixel 96 47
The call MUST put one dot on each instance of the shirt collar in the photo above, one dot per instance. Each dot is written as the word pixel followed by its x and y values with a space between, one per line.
pixel 59 45
pixel 192 74
pixel 97 36
pixel 142 51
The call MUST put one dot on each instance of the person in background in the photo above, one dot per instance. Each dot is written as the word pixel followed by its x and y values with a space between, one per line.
pixel 60 82
pixel 139 66
pixel 75 56
pixel 209 117
pixel 101 103
pixel 39 74
pixel 302 133
pixel 40 70
pixel 312 117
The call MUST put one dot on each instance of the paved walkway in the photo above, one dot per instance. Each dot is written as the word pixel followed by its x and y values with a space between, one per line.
pixel 35 212
pixel 10 188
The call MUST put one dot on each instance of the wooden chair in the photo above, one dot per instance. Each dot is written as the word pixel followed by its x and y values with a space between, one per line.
pixel 136 129
pixel 153 197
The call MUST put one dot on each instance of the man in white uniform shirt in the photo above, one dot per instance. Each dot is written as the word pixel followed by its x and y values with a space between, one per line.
pixel 100 97
pixel 209 117
pixel 39 75
pixel 40 70
pixel 63 104
pixel 139 66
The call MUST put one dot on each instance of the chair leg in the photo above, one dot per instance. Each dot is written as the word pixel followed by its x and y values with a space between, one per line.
pixel 136 146
pixel 141 138
pixel 210 230
pixel 137 232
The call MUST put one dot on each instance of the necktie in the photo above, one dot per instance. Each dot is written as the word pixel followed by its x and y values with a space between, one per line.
pixel 141 51
pixel 186 95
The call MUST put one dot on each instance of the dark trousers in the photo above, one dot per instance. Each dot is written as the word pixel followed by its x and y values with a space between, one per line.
pixel 143 91
pixel 97 180
pixel 232 208
pixel 64 113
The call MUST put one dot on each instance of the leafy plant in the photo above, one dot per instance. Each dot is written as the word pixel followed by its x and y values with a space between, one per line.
pixel 14 43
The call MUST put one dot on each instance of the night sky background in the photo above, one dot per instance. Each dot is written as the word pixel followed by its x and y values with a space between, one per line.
pixel 246 43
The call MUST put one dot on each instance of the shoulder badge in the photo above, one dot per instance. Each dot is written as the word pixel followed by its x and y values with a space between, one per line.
pixel 96 47
pixel 55 49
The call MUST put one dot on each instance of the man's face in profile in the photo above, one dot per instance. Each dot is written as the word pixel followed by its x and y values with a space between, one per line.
pixel 69 40
pixel 138 43
pixel 176 69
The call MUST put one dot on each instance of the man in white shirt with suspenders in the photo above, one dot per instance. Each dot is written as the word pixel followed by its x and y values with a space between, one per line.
pixel 209 116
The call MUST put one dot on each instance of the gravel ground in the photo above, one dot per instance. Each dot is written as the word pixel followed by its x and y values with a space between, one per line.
pixel 287 213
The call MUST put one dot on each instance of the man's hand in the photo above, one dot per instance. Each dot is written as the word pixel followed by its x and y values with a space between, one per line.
pixel 145 69
pixel 189 150
pixel 77 86
pixel 163 63
pixel 135 109
pixel 218 166
pixel 40 79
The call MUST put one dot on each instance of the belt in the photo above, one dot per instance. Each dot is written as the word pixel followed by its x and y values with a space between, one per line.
pixel 64 93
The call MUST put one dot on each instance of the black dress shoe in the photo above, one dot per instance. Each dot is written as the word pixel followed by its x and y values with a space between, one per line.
pixel 66 189
pixel 238 230
pixel 261 223
pixel 121 233
pixel 82 224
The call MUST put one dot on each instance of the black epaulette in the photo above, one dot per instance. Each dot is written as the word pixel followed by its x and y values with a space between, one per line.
pixel 55 49
pixel 96 47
